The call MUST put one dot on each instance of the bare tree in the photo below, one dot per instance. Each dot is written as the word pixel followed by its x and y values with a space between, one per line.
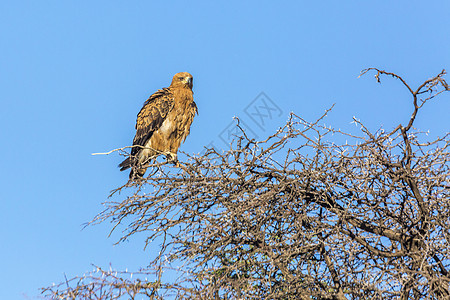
pixel 299 215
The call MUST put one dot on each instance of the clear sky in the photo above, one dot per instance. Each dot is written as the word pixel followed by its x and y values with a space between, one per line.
pixel 74 74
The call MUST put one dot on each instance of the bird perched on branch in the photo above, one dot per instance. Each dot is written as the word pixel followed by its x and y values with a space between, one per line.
pixel 162 125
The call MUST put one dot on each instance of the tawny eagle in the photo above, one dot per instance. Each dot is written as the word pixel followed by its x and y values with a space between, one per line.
pixel 162 124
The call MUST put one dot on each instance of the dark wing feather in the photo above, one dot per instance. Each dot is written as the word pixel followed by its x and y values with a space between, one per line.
pixel 151 117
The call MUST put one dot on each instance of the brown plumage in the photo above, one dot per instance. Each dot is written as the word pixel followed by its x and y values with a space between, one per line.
pixel 162 124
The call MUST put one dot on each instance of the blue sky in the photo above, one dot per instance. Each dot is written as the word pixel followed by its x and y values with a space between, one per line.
pixel 74 74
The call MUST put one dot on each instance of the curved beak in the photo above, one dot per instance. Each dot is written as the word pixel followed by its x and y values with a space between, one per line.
pixel 190 82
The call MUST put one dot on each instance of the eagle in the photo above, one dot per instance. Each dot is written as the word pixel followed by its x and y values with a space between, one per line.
pixel 162 124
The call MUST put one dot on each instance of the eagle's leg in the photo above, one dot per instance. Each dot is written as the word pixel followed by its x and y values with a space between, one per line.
pixel 137 173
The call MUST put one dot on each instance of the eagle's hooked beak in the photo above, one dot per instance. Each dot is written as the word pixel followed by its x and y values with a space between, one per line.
pixel 190 82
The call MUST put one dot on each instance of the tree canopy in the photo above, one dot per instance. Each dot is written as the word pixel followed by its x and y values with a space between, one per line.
pixel 311 212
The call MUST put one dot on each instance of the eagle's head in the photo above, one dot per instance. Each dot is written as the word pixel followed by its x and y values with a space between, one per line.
pixel 182 79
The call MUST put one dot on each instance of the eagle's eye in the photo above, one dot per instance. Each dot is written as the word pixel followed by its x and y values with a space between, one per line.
pixel 181 78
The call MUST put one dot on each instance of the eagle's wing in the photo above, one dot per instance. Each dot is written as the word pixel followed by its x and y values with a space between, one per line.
pixel 151 116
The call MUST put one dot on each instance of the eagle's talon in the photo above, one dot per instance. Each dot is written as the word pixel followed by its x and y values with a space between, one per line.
pixel 171 157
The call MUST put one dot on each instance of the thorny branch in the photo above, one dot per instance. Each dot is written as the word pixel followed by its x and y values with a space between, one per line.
pixel 296 216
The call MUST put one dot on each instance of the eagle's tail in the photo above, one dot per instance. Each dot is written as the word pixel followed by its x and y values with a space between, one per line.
pixel 126 164
pixel 135 173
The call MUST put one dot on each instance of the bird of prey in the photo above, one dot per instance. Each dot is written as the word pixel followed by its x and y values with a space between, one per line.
pixel 162 125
